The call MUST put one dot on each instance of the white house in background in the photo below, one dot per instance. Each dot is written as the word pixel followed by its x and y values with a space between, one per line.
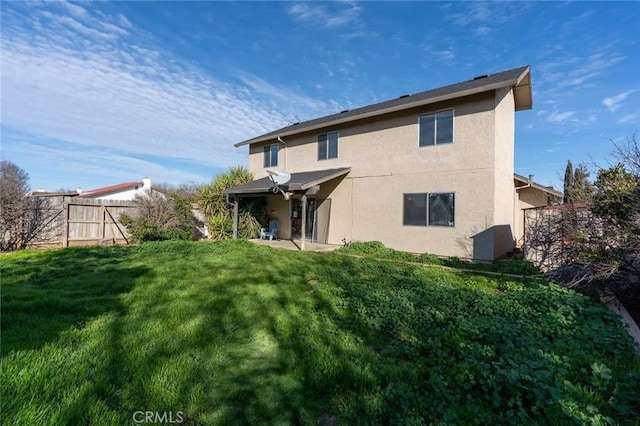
pixel 124 191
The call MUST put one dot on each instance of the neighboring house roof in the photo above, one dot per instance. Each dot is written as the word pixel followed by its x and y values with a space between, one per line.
pixel 299 182
pixel 528 183
pixel 111 189
pixel 54 194
pixel 519 78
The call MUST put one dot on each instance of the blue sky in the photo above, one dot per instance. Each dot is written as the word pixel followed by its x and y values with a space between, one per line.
pixel 95 94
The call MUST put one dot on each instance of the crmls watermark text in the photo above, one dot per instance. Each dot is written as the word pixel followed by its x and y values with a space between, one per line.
pixel 158 417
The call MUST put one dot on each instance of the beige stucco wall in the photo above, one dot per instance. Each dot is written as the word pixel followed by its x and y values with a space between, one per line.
pixel 503 177
pixel 386 162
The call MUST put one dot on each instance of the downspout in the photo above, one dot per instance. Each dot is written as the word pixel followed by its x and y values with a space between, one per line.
pixel 285 151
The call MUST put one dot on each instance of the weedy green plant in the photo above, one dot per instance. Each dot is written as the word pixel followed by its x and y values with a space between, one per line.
pixel 232 333
pixel 376 249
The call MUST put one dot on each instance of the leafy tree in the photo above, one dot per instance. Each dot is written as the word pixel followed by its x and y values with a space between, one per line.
pixel 577 188
pixel 21 215
pixel 213 201
pixel 616 193
pixel 582 188
pixel 568 181
pixel 602 248
pixel 188 191
pixel 159 217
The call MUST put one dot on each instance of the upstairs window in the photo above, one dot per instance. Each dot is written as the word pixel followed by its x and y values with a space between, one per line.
pixel 328 146
pixel 271 155
pixel 429 209
pixel 436 128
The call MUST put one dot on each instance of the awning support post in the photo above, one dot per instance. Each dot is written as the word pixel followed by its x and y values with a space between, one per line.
pixel 304 220
pixel 235 217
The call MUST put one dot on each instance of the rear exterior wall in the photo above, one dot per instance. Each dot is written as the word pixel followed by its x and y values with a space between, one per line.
pixel 386 162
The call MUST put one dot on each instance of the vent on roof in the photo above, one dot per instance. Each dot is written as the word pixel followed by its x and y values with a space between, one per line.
pixel 404 96
pixel 296 123
pixel 481 76
pixel 342 112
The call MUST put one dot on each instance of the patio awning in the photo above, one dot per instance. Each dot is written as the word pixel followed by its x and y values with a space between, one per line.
pixel 299 182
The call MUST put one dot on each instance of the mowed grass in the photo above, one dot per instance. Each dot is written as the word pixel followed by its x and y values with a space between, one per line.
pixel 231 333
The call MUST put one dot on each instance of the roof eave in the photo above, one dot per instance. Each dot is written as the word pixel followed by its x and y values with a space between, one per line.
pixel 523 102
pixel 522 93
pixel 531 184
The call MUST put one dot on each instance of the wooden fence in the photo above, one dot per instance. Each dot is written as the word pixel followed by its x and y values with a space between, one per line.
pixel 551 232
pixel 72 221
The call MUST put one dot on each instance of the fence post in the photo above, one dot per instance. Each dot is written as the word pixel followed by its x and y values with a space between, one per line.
pixel 65 223
pixel 102 224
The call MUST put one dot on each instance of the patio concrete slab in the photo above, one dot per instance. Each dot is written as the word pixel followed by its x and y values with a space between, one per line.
pixel 296 245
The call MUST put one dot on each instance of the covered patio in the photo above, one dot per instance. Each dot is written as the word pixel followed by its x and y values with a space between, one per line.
pixel 296 191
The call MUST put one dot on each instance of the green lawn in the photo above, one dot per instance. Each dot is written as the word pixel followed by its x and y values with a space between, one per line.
pixel 232 333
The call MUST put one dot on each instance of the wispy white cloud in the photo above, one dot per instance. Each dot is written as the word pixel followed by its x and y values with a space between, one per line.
pixel 439 55
pixel 614 102
pixel 560 117
pixel 71 74
pixel 628 118
pixel 321 15
pixel 484 12
pixel 588 68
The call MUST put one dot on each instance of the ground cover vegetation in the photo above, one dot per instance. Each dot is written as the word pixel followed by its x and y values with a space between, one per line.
pixel 232 333
pixel 376 249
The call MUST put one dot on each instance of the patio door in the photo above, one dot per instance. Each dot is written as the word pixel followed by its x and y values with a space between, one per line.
pixel 317 220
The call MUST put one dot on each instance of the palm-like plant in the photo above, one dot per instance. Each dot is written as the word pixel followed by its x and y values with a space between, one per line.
pixel 213 202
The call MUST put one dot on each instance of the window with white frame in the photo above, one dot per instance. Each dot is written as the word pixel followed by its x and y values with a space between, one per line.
pixel 328 146
pixel 429 209
pixel 271 155
pixel 436 128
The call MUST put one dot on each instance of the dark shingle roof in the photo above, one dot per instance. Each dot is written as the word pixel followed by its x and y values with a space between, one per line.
pixel 299 182
pixel 518 77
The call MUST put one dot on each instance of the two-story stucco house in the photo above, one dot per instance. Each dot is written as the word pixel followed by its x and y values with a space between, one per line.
pixel 429 172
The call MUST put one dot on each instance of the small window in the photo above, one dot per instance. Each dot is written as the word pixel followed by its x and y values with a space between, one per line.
pixel 271 155
pixel 441 209
pixel 429 209
pixel 415 209
pixel 328 146
pixel 436 128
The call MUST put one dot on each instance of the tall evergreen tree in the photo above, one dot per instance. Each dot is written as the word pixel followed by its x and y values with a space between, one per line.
pixel 582 188
pixel 568 181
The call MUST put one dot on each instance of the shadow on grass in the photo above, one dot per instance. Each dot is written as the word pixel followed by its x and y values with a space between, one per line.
pixel 46 293
pixel 245 345
pixel 229 333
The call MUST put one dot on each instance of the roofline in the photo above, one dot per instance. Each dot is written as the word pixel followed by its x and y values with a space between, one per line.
pixel 110 189
pixel 339 172
pixel 547 189
pixel 394 108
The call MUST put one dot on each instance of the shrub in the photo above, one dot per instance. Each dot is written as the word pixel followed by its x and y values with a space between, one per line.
pixel 159 218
